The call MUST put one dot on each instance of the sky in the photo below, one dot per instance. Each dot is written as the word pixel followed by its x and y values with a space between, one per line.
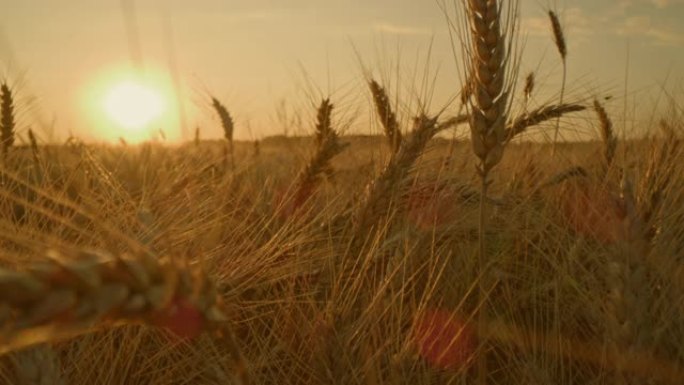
pixel 270 62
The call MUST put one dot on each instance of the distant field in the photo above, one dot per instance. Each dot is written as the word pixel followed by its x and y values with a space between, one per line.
pixel 309 298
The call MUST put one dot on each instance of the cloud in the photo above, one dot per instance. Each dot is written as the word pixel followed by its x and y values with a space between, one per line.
pixel 574 21
pixel 640 26
pixel 580 26
pixel 661 4
pixel 665 3
pixel 258 15
pixel 401 29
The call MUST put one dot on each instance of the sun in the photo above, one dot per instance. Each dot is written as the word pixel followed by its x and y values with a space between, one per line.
pixel 133 105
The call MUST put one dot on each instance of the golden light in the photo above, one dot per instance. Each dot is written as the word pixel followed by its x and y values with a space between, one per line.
pixel 133 105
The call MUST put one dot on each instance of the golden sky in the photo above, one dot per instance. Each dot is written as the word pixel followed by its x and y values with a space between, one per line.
pixel 258 56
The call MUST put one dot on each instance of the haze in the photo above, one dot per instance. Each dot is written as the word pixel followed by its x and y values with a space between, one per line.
pixel 256 55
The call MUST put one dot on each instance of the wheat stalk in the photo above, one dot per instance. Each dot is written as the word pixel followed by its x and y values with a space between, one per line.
pixel 561 46
pixel 257 148
pixel 559 39
pixel 387 117
pixel 487 50
pixel 197 139
pixel 466 91
pixel 628 302
pixel 35 151
pixel 658 176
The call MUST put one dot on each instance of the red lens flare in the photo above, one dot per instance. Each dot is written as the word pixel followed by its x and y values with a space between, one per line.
pixel 594 212
pixel 181 318
pixel 444 340
pixel 431 205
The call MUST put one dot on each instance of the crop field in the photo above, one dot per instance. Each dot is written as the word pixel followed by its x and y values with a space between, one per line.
pixel 472 245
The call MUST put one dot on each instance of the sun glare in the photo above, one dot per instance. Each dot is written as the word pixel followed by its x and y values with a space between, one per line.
pixel 133 106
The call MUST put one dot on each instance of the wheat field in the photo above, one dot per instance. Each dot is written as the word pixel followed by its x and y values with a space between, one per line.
pixel 413 257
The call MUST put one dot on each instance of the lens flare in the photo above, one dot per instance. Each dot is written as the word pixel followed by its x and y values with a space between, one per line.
pixel 444 340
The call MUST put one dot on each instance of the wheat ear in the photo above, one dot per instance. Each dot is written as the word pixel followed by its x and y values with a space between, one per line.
pixel 66 295
pixel 537 116
pixel 327 146
pixel 35 151
pixel 529 87
pixel 7 118
pixel 607 135
pixel 228 126
pixel 380 193
pixel 387 117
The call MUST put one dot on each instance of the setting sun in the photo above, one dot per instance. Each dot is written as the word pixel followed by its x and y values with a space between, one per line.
pixel 133 106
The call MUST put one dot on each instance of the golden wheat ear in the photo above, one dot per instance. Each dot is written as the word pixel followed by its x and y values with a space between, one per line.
pixel 35 150
pixel 489 86
pixel 529 86
pixel 228 126
pixel 70 294
pixel 7 118
pixel 537 116
pixel 328 145
pixel 607 135
pixel 387 117
pixel 558 35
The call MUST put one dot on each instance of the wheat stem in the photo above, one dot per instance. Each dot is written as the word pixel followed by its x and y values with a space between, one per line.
pixel 559 39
